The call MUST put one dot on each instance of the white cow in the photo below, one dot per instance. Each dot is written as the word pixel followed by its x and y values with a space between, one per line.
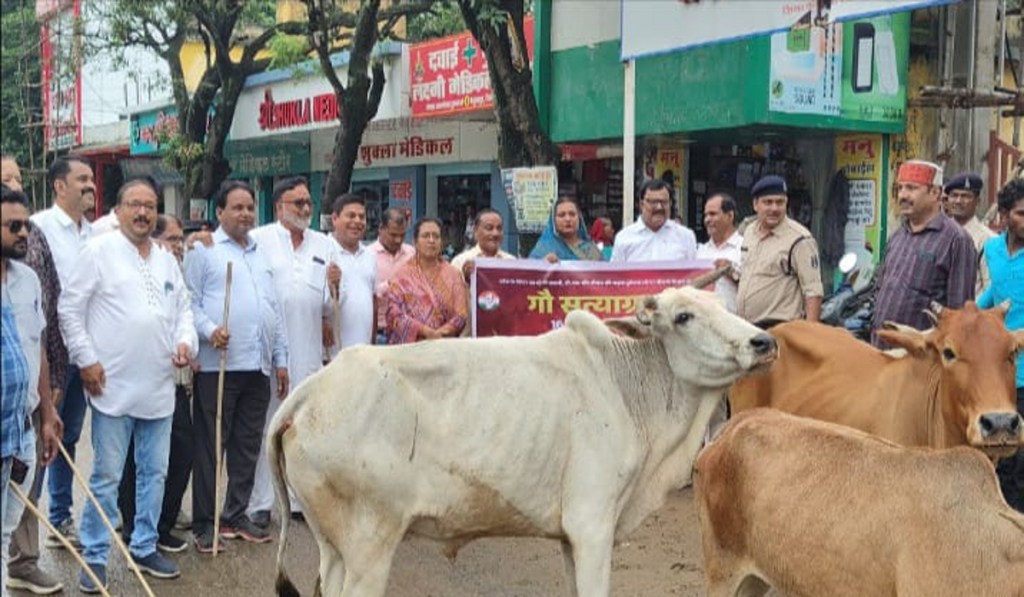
pixel 575 435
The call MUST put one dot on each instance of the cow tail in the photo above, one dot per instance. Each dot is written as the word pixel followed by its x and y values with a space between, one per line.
pixel 279 472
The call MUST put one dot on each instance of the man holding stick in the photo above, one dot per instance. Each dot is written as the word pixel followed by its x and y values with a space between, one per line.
pixel 122 281
pixel 253 342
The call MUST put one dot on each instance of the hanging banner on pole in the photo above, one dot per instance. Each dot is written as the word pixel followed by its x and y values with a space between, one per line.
pixel 659 26
pixel 531 193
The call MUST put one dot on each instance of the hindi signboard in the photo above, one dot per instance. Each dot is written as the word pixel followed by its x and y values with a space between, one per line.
pixel 528 297
pixel 531 193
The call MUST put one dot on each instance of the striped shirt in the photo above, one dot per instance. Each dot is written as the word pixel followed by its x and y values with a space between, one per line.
pixel 937 263
pixel 15 380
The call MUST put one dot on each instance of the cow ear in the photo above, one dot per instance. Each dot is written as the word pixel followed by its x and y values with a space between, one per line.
pixel 629 327
pixel 913 341
pixel 646 310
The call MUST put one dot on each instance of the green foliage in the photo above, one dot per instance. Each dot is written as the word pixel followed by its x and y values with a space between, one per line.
pixel 258 13
pixel 444 18
pixel 287 50
pixel 20 94
pixel 179 153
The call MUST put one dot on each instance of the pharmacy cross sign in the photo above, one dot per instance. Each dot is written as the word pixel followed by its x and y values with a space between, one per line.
pixel 469 52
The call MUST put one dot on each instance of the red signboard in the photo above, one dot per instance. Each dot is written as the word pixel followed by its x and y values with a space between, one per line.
pixel 298 112
pixel 529 297
pixel 450 75
pixel 62 75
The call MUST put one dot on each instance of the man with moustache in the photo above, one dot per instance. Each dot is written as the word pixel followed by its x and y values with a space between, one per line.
pixel 358 266
pixel 724 243
pixel 930 258
pixel 37 418
pixel 488 232
pixel 392 253
pixel 655 237
pixel 300 260
pixel 962 193
pixel 23 571
pixel 781 280
pixel 122 281
pixel 255 344
pixel 66 230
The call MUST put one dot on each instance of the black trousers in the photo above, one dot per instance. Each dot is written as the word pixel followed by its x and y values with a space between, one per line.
pixel 1011 470
pixel 246 397
pixel 179 469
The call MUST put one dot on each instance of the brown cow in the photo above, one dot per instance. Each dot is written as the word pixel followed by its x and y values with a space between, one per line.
pixel 954 386
pixel 811 509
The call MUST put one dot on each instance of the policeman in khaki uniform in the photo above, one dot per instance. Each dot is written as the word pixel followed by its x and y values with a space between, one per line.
pixel 780 280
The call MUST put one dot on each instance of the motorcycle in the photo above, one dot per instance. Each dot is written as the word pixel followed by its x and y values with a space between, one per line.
pixel 852 305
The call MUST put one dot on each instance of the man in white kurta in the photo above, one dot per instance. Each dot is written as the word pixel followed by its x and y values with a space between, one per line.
pixel 126 317
pixel 300 259
pixel 724 244
pixel 355 323
pixel 655 236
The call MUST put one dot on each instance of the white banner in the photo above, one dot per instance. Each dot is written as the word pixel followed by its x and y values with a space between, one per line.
pixel 660 26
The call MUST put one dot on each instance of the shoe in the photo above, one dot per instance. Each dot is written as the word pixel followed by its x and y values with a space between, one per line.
pixel 157 566
pixel 66 528
pixel 203 543
pixel 298 516
pixel 86 585
pixel 171 543
pixel 261 518
pixel 183 522
pixel 244 529
pixel 35 581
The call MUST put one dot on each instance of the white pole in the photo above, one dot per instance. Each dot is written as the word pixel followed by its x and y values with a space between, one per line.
pixel 628 143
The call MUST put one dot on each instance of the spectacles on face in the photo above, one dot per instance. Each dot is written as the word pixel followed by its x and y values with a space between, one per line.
pixel 300 203
pixel 139 205
pixel 16 226
pixel 657 202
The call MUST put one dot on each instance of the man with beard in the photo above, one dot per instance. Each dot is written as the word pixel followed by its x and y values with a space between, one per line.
pixel 300 260
pixel 1004 258
pixel 930 258
pixel 962 193
pixel 23 571
pixel 358 265
pixel 781 280
pixel 37 445
pixel 66 231
pixel 655 237
pixel 122 281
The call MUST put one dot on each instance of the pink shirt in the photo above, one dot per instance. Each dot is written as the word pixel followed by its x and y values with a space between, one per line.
pixel 387 265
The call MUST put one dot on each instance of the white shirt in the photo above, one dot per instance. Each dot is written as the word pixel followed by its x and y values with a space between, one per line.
pixel 672 242
pixel 473 253
pixel 730 249
pixel 23 292
pixel 65 239
pixel 358 280
pixel 129 314
pixel 105 224
pixel 300 285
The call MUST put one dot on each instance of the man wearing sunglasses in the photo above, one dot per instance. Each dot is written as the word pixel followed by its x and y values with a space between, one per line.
pixel 66 231
pixel 305 276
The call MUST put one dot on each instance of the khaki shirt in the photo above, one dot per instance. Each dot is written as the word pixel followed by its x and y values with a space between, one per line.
pixel 979 233
pixel 768 289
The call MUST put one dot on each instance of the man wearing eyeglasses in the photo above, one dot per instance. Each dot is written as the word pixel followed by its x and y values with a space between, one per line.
pixel 122 281
pixel 962 194
pixel 305 276
pixel 655 236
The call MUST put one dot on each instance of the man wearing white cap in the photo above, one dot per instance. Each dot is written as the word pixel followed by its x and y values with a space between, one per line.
pixel 930 258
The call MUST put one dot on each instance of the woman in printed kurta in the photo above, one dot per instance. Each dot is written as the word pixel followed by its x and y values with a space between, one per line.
pixel 426 298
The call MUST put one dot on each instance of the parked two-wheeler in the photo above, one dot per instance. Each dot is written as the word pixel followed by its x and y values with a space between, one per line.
pixel 852 305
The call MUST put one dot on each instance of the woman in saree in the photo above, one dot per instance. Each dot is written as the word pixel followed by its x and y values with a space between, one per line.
pixel 565 238
pixel 426 298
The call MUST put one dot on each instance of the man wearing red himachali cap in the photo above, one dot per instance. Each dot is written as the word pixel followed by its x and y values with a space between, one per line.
pixel 930 258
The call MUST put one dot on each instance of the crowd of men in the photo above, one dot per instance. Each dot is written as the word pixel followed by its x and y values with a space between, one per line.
pixel 121 317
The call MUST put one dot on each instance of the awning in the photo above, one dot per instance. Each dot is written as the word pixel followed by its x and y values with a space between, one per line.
pixel 155 168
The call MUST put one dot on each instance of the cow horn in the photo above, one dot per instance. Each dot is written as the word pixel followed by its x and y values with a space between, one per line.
pixel 934 311
pixel 645 311
pixel 709 278
pixel 1002 308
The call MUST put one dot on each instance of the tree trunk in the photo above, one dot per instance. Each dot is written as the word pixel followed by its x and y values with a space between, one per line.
pixel 522 142
pixel 215 168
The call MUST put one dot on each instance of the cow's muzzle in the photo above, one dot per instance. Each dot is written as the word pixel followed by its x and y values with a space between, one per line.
pixel 1001 433
pixel 765 350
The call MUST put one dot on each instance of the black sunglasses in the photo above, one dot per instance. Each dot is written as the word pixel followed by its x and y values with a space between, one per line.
pixel 15 226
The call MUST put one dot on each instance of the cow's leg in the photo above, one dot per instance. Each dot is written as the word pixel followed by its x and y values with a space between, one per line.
pixel 332 568
pixel 570 567
pixel 368 546
pixel 591 532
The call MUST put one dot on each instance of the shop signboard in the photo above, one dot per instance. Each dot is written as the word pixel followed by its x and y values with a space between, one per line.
pixel 450 75
pixel 267 159
pixel 659 26
pixel 860 159
pixel 855 70
pixel 61 53
pixel 531 192
pixel 408 142
pixel 531 297
pixel 147 128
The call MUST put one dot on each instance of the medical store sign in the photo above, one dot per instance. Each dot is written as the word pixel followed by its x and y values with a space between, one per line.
pixel 295 113
pixel 451 76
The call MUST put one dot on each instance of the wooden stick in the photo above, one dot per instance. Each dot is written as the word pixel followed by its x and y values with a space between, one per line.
pixel 60 537
pixel 218 475
pixel 115 536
